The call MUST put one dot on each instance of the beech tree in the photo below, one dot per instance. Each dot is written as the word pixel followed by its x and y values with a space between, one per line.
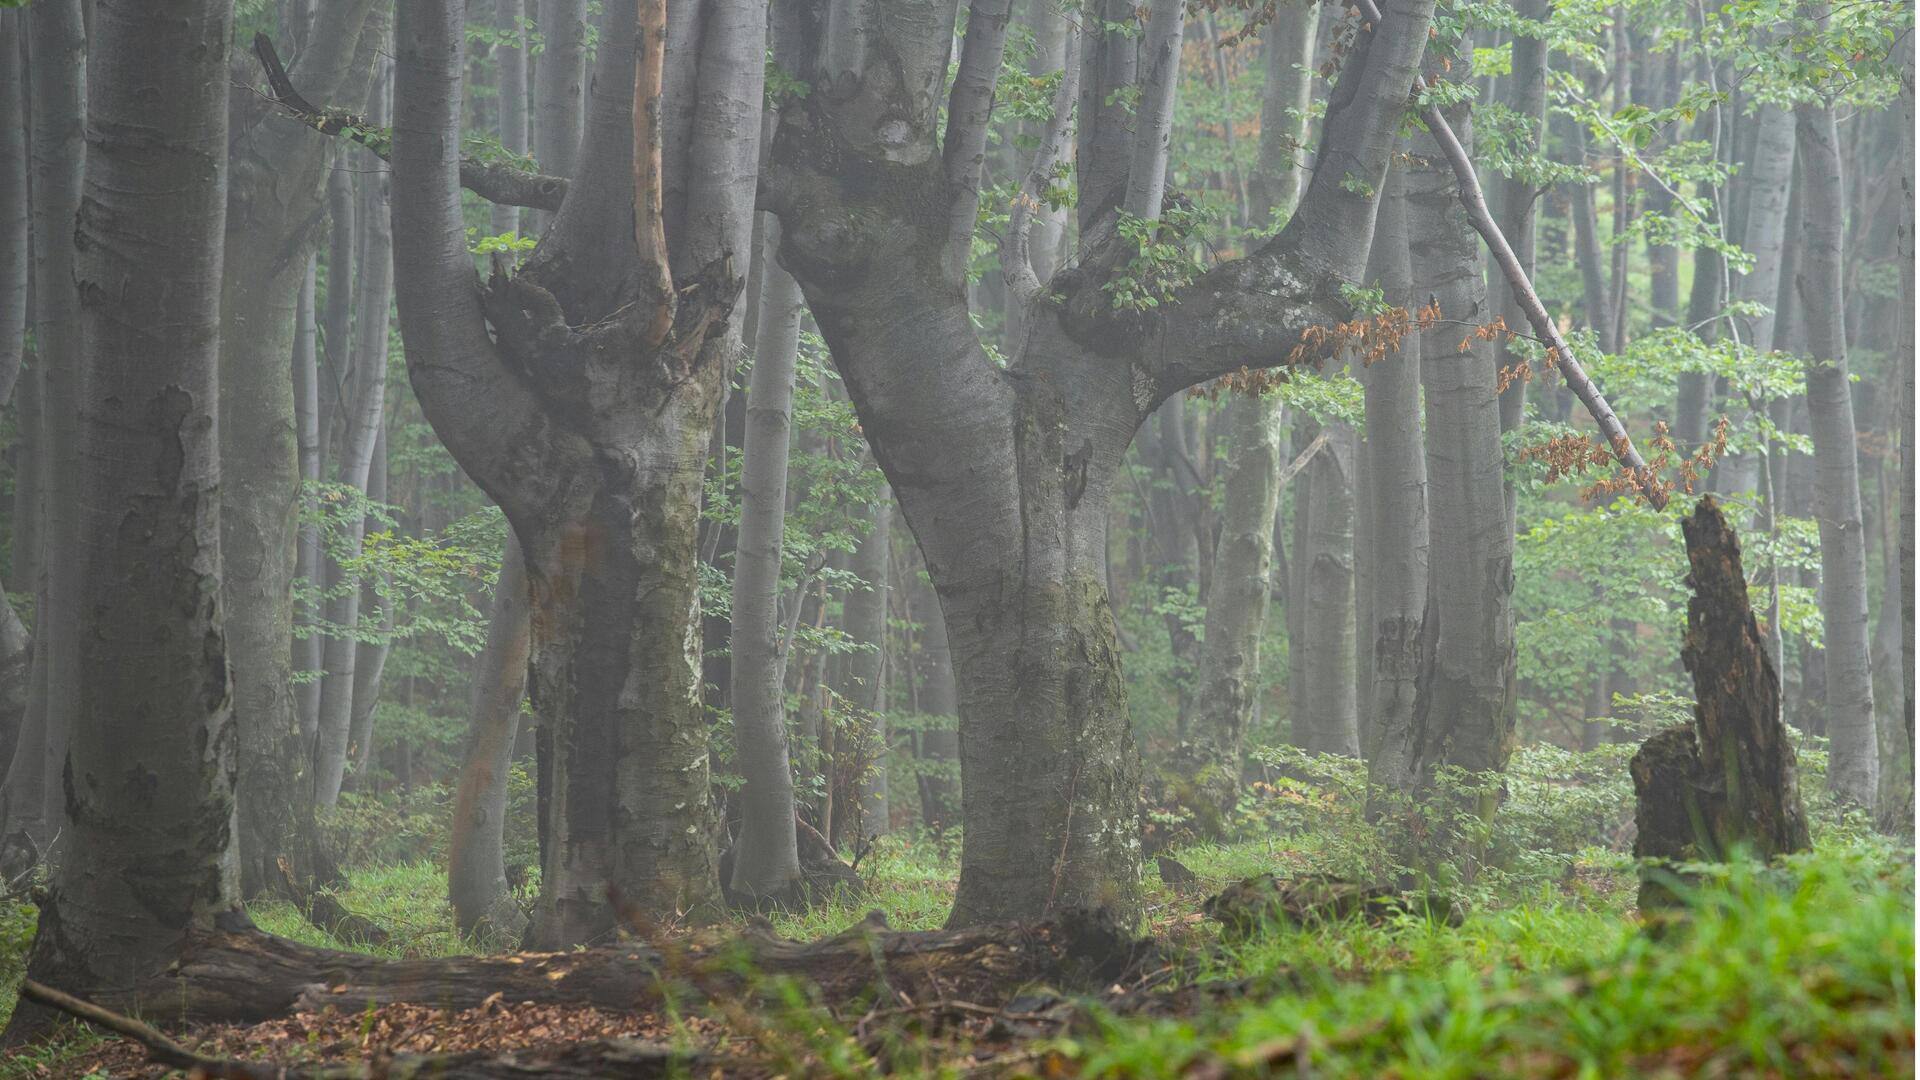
pixel 579 392
pixel 149 858
pixel 1004 473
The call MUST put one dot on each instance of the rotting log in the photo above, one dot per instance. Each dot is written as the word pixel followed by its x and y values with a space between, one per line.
pixel 1728 782
pixel 239 975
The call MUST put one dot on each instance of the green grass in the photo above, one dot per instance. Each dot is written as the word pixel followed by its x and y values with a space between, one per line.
pixel 912 884
pixel 409 900
pixel 1812 977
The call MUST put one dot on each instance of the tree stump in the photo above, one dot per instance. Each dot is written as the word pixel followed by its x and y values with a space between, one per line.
pixel 1728 782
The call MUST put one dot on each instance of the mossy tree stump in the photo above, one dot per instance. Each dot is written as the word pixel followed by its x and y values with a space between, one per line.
pixel 1729 781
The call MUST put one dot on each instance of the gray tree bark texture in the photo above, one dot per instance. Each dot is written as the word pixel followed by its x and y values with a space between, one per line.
pixel 864 687
pixel 1853 774
pixel 1229 670
pixel 1462 713
pixel 275 196
pixel 587 419
pixel 15 217
pixel 149 860
pixel 1904 391
pixel 1397 485
pixel 510 60
pixel 1527 97
pixel 1286 46
pixel 57 49
pixel 766 860
pixel 939 747
pixel 476 850
pixel 1005 475
pixel 559 82
pixel 1326 718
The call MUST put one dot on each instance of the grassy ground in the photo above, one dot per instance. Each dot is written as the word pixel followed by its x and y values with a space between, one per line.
pixel 1805 970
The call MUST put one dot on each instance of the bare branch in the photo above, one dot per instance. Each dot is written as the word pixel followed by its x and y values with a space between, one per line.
pixel 493 182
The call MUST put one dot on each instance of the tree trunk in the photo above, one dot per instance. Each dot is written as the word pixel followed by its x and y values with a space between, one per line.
pixel 1904 395
pixel 1462 713
pixel 1852 775
pixel 1229 672
pixel 766 861
pixel 1328 720
pixel 1287 51
pixel 939 745
pixel 370 656
pixel 309 556
pixel 560 76
pixel 150 859
pixel 510 60
pixel 476 849
pixel 15 215
pixel 1731 777
pixel 1528 100
pixel 278 176
pixel 598 461
pixel 1398 486
pixel 57 47
pixel 1006 474
pixel 365 414
pixel 864 615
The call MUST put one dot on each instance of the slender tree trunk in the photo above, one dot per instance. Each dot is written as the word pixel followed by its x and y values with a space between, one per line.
pixel 1229 671
pixel 939 746
pixel 476 849
pixel 1462 712
pixel 560 77
pixel 370 656
pixel 15 215
pixel 150 860
pixel 309 557
pixel 864 612
pixel 1904 395
pixel 1287 51
pixel 374 291
pixel 1174 508
pixel 1328 721
pixel 275 196
pixel 1528 100
pixel 1398 486
pixel 1852 776
pixel 510 60
pixel 766 860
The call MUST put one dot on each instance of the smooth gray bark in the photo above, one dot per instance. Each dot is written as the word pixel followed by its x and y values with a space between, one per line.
pixel 365 413
pixel 14 213
pixel 1769 180
pixel 149 860
pixel 1153 115
pixel 1005 475
pixel 1397 486
pixel 938 697
pixel 57 48
pixel 559 81
pixel 864 613
pixel 1853 773
pixel 370 654
pixel 510 60
pixel 1527 97
pixel 275 199
pixel 1229 672
pixel 1462 712
pixel 1287 52
pixel 766 860
pixel 476 848
pixel 309 556
pixel 1327 718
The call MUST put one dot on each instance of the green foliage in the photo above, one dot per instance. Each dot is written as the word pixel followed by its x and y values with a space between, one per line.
pixel 1161 264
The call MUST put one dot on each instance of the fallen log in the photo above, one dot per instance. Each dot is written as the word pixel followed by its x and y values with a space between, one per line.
pixel 237 974
pixel 624 1059
pixel 1728 781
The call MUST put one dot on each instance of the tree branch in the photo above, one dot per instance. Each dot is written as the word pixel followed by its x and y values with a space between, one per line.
pixel 649 226
pixel 493 182
pixel 1016 257
pixel 1475 201
pixel 969 108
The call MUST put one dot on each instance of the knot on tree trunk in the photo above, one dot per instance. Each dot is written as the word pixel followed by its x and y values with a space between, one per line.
pixel 1728 782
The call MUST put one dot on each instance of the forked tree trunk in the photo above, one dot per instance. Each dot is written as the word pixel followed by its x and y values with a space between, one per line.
pixel 1006 474
pixel 1853 774
pixel 149 860
pixel 598 461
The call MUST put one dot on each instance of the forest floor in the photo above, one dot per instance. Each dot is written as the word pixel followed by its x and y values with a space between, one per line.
pixel 1801 971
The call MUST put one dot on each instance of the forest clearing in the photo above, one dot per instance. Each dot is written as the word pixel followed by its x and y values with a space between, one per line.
pixel 964 538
